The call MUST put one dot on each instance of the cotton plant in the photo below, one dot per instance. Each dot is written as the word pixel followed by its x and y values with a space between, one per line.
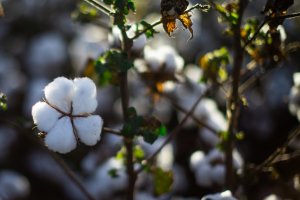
pixel 64 116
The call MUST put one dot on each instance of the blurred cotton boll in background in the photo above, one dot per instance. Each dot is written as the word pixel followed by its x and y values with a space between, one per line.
pixel 34 93
pixel 163 58
pixel 210 168
pixel 102 185
pixel 13 185
pixel 47 55
pixel 226 195
pixel 89 43
pixel 294 98
pixel 8 137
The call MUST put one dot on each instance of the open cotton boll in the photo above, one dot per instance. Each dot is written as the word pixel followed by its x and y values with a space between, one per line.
pixel 214 155
pixel 59 93
pixel 102 184
pixel 89 129
pixel 226 195
pixel 197 158
pixel 171 59
pixel 44 116
pixel 13 185
pixel 218 174
pixel 165 158
pixel 208 137
pixel 203 175
pixel 84 99
pixel 61 137
pixel 296 78
pixel 153 58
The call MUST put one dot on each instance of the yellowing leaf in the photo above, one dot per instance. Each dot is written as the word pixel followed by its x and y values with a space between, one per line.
pixel 187 22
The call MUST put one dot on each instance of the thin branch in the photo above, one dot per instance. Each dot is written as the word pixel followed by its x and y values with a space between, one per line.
pixel 278 151
pixel 71 175
pixel 100 7
pixel 172 134
pixel 268 19
pixel 146 29
pixel 113 131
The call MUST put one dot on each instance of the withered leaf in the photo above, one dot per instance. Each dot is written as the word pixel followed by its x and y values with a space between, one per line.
pixel 172 10
pixel 169 23
pixel 187 22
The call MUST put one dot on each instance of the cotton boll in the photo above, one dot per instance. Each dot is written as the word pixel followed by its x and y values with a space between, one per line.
pixel 153 58
pixel 209 137
pixel 215 155
pixel 8 137
pixel 102 184
pixel 13 185
pixel 89 129
pixel 84 99
pixel 272 197
pixel 296 78
pixel 226 195
pixel 203 175
pixel 61 137
pixel 196 158
pixel 218 174
pixel 44 116
pixel 139 43
pixel 165 158
pixel 47 54
pixel 59 93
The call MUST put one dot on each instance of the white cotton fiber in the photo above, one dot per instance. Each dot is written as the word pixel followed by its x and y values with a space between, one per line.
pixel 208 137
pixel 218 174
pixel 61 137
pixel 44 116
pixel 59 93
pixel 226 195
pixel 153 58
pixel 89 129
pixel 197 158
pixel 84 100
pixel 203 175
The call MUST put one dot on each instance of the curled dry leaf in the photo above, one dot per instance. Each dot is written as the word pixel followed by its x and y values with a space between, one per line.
pixel 172 10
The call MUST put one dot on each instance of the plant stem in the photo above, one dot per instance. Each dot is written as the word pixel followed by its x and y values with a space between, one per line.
pixel 234 99
pixel 128 142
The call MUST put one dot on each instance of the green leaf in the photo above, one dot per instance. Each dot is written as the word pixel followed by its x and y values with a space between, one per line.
pixel 138 153
pixel 161 131
pixel 149 136
pixel 113 172
pixel 108 2
pixel 163 181
pixel 150 30
pixel 3 101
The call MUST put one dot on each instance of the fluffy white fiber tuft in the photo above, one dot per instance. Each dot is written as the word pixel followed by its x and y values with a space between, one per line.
pixel 44 116
pixel 59 93
pixel 89 129
pixel 61 138
pixel 84 99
